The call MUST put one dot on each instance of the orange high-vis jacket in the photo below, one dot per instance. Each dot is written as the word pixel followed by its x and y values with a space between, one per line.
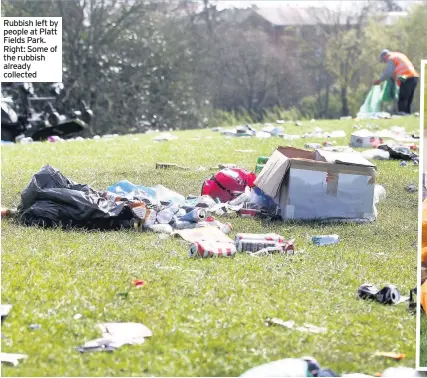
pixel 403 67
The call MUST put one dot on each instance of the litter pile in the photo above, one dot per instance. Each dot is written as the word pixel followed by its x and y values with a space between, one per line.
pixel 290 185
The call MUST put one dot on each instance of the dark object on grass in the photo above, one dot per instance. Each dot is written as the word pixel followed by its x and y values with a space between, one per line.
pixel 411 188
pixel 387 295
pixel 23 112
pixel 4 310
pixel 52 200
pixel 399 153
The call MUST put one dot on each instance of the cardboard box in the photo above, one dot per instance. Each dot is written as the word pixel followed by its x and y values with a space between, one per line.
pixel 320 184
pixel 365 139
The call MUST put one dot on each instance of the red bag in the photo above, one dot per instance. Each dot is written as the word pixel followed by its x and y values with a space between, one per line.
pixel 228 183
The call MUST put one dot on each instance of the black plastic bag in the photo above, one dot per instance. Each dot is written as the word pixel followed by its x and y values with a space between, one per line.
pixel 51 199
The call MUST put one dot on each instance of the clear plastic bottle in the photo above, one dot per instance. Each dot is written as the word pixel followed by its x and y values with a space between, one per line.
pixel 325 239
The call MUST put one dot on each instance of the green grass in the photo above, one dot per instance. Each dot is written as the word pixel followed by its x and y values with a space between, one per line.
pixel 207 316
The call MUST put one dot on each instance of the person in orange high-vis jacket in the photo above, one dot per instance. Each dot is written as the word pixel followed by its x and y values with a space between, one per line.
pixel 402 71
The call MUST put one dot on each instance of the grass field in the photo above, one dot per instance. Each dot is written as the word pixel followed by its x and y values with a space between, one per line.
pixel 207 316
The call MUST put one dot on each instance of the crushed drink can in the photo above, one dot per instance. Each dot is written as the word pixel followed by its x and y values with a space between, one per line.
pixel 206 249
pixel 388 295
pixel 196 215
pixel 325 239
pixel 313 146
pixel 269 237
pixel 248 245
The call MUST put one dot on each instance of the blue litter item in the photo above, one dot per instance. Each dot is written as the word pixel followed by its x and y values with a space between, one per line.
pixel 262 199
pixel 126 187
pixel 196 215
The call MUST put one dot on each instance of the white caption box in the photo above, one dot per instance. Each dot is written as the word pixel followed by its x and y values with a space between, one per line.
pixel 31 49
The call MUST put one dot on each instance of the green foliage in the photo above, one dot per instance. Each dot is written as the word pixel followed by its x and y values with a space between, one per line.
pixel 141 65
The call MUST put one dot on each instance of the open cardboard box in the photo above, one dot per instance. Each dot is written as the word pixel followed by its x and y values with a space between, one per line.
pixel 320 184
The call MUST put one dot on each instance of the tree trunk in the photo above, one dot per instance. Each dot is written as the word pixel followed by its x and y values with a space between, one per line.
pixel 344 102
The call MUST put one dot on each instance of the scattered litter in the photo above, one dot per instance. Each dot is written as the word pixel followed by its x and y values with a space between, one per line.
pixel 273 130
pixel 211 234
pixel 21 139
pixel 399 152
pixel 394 355
pixel 211 249
pixel 33 327
pixel 138 283
pixel 309 328
pixel 165 138
pixel 4 310
pixel 321 240
pixel 298 123
pixel 216 128
pixel 365 139
pixel 77 316
pixel 259 244
pixel 12 358
pixel 262 134
pixel 115 335
pixel 225 165
pixel 240 131
pixel 290 367
pixel 313 146
pixel 170 166
pixel 201 169
pixel 54 139
pixel 290 136
pixel 403 164
pixel 280 121
pixel 390 294
pixel 161 228
pixel 376 153
pixel 380 194
pixel 411 188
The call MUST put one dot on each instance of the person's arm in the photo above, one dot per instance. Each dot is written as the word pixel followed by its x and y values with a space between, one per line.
pixel 388 72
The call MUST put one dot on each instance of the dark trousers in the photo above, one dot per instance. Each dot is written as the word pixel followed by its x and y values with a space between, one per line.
pixel 406 94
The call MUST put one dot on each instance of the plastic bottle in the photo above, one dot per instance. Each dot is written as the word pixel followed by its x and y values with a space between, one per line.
pixel 123 186
pixel 325 239
pixel 165 195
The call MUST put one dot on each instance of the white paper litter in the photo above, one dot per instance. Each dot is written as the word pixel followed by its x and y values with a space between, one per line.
pixel 290 324
pixel 12 358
